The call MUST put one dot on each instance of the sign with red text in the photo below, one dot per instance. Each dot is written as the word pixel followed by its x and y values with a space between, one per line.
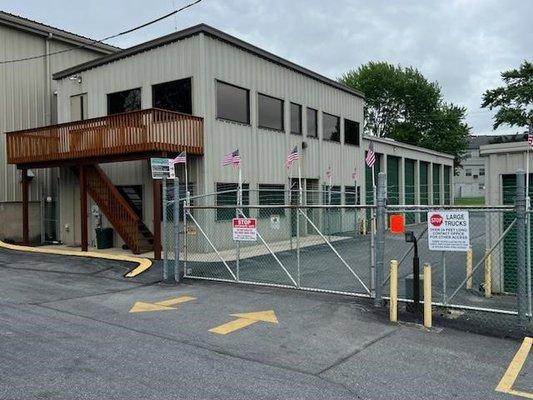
pixel 448 230
pixel 244 229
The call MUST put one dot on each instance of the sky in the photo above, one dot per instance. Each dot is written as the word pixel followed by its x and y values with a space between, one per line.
pixel 463 45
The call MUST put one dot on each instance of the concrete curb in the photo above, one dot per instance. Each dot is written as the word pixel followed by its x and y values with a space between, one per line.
pixel 143 264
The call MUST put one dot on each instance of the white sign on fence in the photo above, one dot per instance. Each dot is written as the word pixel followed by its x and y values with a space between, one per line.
pixel 274 222
pixel 244 229
pixel 448 230
pixel 161 168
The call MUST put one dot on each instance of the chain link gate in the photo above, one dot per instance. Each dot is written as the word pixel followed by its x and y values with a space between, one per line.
pixel 311 247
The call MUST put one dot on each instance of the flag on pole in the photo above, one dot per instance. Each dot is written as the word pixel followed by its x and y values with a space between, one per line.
pixel 370 158
pixel 232 158
pixel 292 157
pixel 180 159
pixel 354 174
pixel 329 172
pixel 530 139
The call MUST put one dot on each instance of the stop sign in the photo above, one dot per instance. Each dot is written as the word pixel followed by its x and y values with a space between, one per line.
pixel 436 220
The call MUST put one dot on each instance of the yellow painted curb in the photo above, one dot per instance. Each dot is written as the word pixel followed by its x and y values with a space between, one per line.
pixel 143 264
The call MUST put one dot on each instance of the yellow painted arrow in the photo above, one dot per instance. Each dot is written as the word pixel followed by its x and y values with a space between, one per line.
pixel 164 305
pixel 244 320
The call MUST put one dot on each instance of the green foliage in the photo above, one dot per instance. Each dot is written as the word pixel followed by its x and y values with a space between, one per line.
pixel 403 105
pixel 514 101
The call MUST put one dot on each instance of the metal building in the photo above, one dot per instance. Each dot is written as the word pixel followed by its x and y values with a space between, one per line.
pixel 28 99
pixel 219 94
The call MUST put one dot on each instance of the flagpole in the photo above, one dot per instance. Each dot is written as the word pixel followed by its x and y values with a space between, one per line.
pixel 298 210
pixel 186 177
pixel 239 210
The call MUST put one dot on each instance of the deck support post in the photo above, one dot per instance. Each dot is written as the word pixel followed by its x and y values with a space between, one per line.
pixel 156 187
pixel 83 209
pixel 25 206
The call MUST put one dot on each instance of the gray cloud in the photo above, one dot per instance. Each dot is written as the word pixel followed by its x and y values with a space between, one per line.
pixel 462 44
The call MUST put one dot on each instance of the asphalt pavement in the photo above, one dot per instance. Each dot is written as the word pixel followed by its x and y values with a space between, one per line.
pixel 67 331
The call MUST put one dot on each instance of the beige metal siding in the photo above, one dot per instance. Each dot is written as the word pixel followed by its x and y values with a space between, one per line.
pixel 26 96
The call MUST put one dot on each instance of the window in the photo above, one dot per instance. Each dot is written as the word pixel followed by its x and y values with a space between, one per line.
pixel 351 132
pixel 481 186
pixel 474 176
pixel 271 195
pixel 127 100
pixel 270 112
pixel 230 198
pixel 351 196
pixel 336 196
pixel 331 127
pixel 312 123
pixel 482 172
pixel 78 107
pixel 233 103
pixel 296 118
pixel 173 96
pixel 468 172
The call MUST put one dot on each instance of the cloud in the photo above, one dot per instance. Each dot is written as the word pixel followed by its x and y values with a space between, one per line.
pixel 462 44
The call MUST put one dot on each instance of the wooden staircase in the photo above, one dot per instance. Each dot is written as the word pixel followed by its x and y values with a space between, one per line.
pixel 116 209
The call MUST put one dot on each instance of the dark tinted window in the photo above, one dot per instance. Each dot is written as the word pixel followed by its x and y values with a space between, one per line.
pixel 312 126
pixel 230 198
pixel 233 103
pixel 270 112
pixel 296 118
pixel 268 195
pixel 331 127
pixel 350 196
pixel 173 96
pixel 336 196
pixel 127 100
pixel 351 132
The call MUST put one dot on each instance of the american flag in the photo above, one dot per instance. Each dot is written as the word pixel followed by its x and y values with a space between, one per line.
pixel 232 158
pixel 354 174
pixel 329 172
pixel 292 157
pixel 180 159
pixel 370 158
pixel 530 139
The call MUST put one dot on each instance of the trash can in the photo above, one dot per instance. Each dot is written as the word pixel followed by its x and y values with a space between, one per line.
pixel 104 238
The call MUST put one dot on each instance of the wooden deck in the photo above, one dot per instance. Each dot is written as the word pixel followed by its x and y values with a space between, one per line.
pixel 132 134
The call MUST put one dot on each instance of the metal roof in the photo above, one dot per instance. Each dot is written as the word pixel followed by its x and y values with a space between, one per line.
pixel 28 25
pixel 214 33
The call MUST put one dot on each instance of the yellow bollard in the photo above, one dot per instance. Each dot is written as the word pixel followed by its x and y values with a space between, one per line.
pixel 427 296
pixel 469 259
pixel 488 274
pixel 393 312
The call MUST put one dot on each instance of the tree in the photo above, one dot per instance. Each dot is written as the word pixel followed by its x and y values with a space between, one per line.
pixel 514 101
pixel 403 105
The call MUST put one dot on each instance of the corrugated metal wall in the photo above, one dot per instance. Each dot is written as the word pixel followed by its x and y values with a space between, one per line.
pixel 26 96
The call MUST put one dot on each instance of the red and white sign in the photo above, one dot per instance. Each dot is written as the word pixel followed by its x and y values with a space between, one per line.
pixel 448 230
pixel 244 229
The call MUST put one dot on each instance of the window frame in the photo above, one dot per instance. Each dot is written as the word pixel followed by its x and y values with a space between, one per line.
pixel 468 171
pixel 248 123
pixel 122 91
pixel 307 109
pixel 300 116
pixel 323 130
pixel 282 129
pixel 358 139
pixel 190 79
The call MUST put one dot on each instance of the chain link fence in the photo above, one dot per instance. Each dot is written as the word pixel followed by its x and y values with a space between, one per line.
pixel 322 240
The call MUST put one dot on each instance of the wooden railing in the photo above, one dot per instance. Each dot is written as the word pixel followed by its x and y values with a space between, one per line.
pixel 136 132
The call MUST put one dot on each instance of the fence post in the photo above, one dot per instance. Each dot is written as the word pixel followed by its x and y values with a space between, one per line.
pixel 381 218
pixel 469 261
pixel 488 273
pixel 178 274
pixel 164 235
pixel 393 313
pixel 521 288
pixel 427 296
